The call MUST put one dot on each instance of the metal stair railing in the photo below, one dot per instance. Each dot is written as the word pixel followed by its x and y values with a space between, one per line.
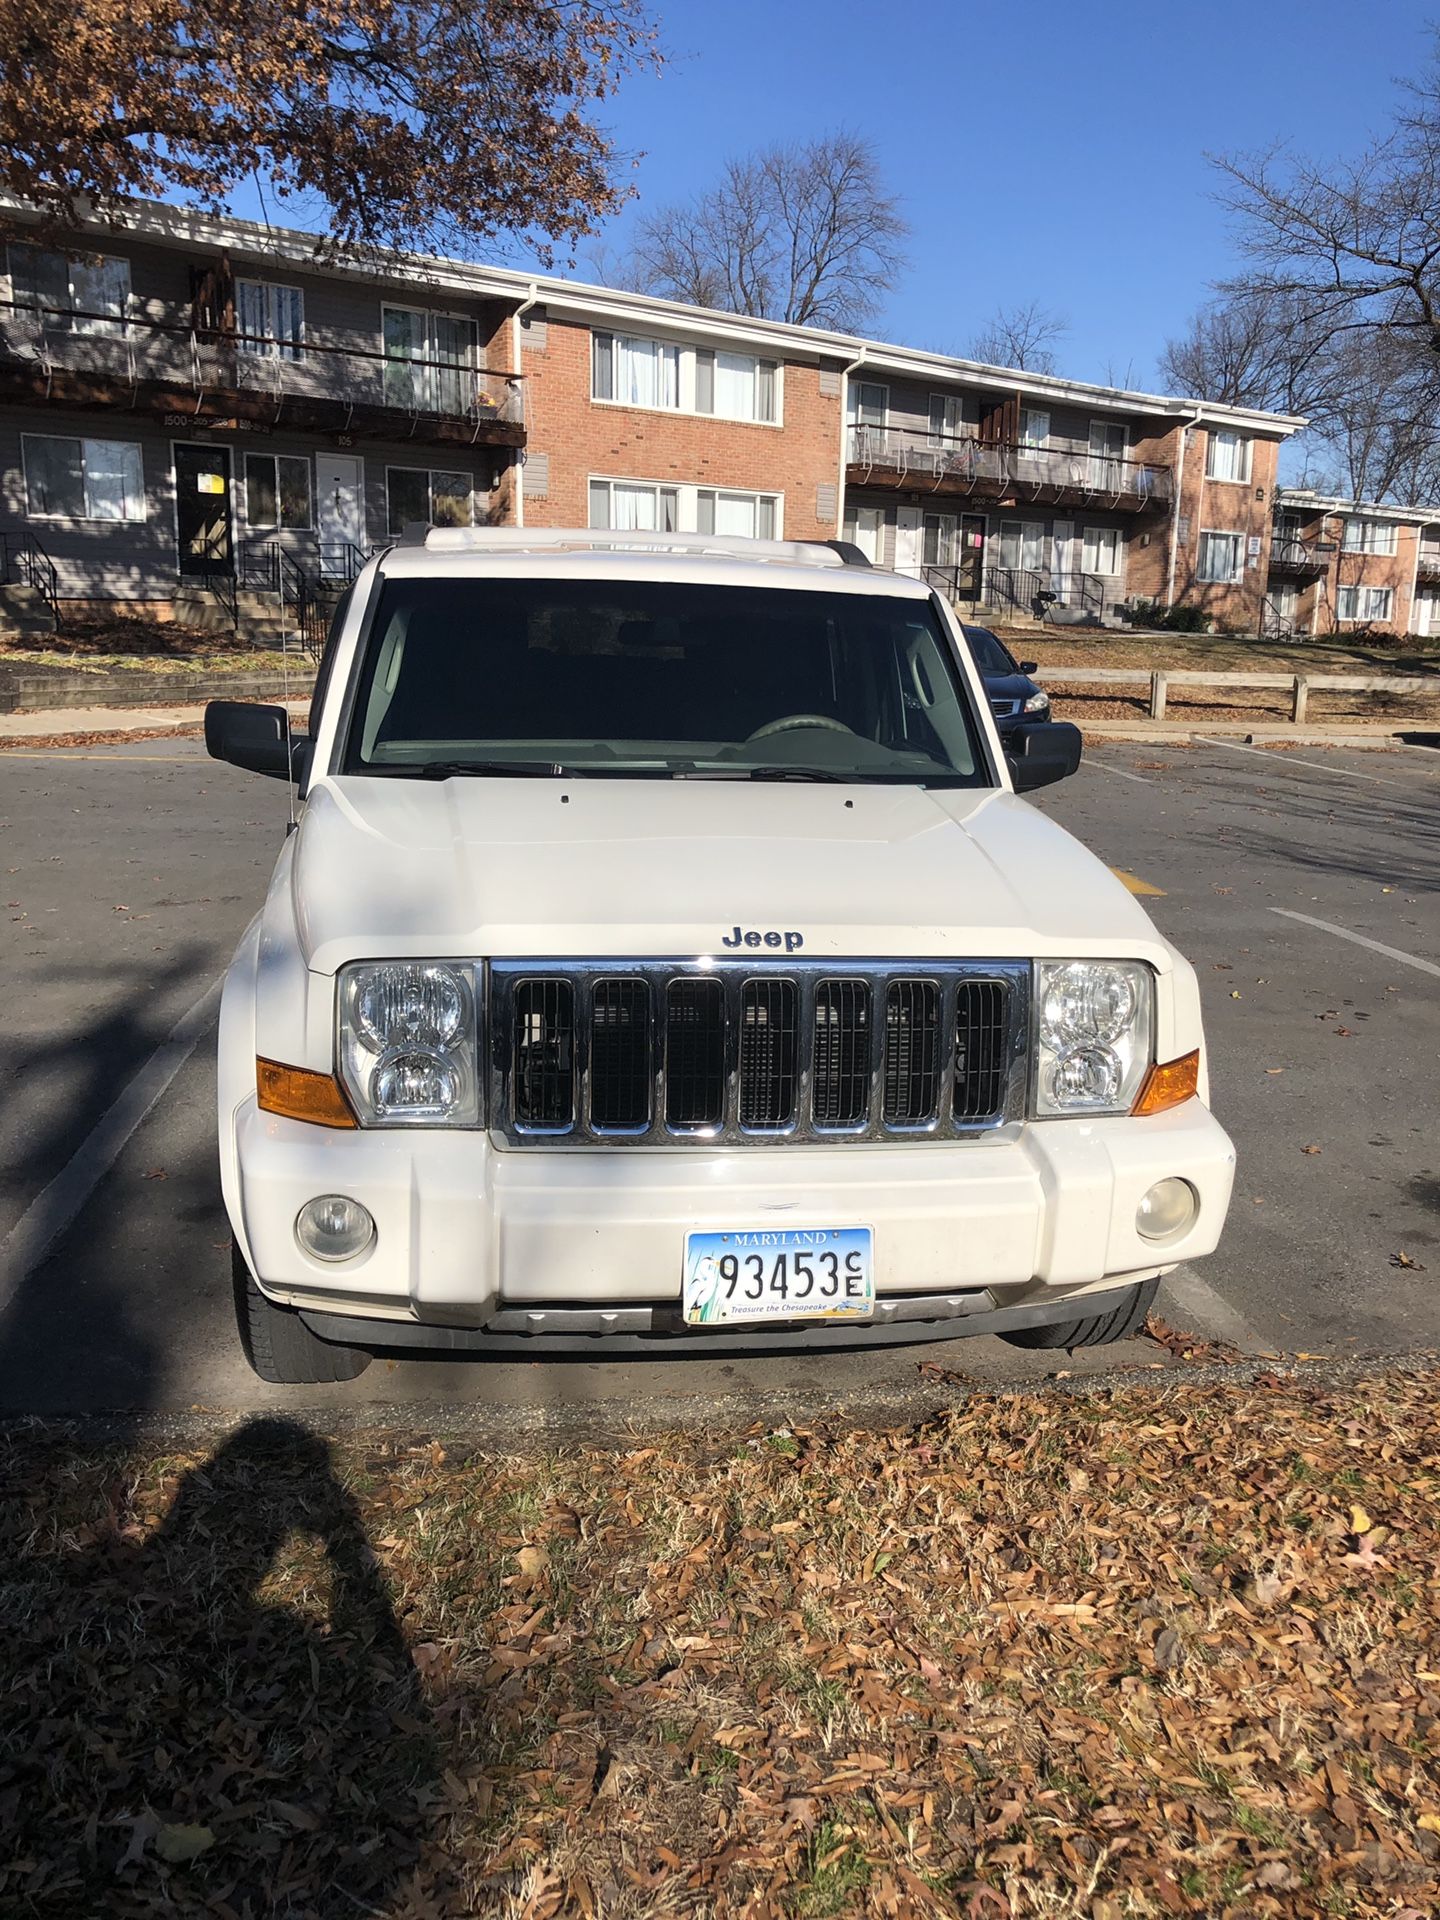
pixel 25 563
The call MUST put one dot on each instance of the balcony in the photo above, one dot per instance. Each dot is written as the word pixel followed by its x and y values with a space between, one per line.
pixel 182 378
pixel 1427 565
pixel 1005 471
pixel 1291 555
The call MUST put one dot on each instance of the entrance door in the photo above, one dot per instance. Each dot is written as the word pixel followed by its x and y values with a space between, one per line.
pixel 970 556
pixel 1063 558
pixel 202 512
pixel 340 514
pixel 909 534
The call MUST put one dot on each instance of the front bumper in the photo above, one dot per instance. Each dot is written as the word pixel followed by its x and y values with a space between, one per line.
pixel 472 1237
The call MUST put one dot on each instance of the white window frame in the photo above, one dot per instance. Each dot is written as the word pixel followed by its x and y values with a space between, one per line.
pixel 687 499
pixel 1244 445
pixel 453 473
pixel 271 344
pixel 1366 611
pixel 65 320
pixel 755 499
pixel 694 367
pixel 1114 538
pixel 90 519
pixel 657 488
pixel 247 454
pixel 1368 534
pixel 951 410
pixel 1026 534
pixel 1234 579
pixel 1099 461
pixel 424 367
pixel 856 388
pixel 1034 443
pixel 697 360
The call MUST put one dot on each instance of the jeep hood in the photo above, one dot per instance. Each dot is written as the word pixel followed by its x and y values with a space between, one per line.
pixel 647 868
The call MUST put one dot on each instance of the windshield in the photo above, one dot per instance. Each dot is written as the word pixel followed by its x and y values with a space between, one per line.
pixel 990 655
pixel 660 679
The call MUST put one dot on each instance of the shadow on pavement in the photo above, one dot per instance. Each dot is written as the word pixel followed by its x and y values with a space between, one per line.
pixel 192 1722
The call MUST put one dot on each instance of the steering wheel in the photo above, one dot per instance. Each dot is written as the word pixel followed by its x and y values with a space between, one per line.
pixel 794 722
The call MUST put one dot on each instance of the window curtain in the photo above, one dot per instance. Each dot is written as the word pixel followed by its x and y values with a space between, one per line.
pixel 404 340
pixel 114 487
pixel 647 373
pixel 735 380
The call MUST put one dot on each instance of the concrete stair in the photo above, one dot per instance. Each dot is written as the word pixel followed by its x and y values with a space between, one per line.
pixel 23 612
pixel 258 616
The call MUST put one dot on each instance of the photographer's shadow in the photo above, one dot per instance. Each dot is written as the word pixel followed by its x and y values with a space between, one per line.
pixel 206 1728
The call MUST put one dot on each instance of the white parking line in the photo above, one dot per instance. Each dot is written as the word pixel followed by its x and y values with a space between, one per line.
pixel 1361 940
pixel 1319 766
pixel 56 1206
pixel 1103 766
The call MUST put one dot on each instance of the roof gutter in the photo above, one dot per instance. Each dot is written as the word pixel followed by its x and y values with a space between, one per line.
pixel 845 373
pixel 524 307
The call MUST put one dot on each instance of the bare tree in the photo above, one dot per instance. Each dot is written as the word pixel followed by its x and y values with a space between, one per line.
pixel 1023 337
pixel 800 233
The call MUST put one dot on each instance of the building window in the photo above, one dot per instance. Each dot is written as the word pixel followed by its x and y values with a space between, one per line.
pixel 748 516
pixel 430 360
pixel 1101 552
pixel 869 403
pixel 1227 455
pixel 82 479
pixel 1105 468
pixel 434 498
pixel 637 373
pixel 84 295
pixel 946 418
pixel 1363 603
pixel 277 491
pixel 1022 544
pixel 1222 558
pixel 735 386
pixel 1034 428
pixel 270 320
pixel 1369 536
pixel 940 547
pixel 634 507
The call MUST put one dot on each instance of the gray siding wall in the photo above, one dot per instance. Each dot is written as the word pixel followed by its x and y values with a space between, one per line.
pixel 137 559
pixel 996 517
pixel 910 409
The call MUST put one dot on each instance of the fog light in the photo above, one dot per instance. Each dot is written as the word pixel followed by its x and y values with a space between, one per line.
pixel 334 1228
pixel 1167 1209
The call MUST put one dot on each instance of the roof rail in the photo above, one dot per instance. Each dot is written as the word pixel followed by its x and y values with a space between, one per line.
pixel 795 553
pixel 852 555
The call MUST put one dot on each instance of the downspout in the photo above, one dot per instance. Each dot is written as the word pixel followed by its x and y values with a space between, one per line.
pixel 525 305
pixel 845 373
pixel 1185 427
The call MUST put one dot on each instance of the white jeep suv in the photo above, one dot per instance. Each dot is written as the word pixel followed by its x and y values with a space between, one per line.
pixel 663 960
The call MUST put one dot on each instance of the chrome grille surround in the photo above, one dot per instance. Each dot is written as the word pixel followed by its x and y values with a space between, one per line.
pixel 714 1029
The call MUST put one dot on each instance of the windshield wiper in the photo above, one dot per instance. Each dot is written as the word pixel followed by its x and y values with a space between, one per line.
pixel 762 773
pixel 520 769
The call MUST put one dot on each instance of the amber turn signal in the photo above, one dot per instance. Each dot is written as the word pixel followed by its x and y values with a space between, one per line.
pixel 1168 1085
pixel 302 1095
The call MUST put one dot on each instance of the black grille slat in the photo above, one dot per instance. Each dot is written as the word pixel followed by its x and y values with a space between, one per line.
pixel 981 1029
pixel 621 1067
pixel 544 1054
pixel 694 1054
pixel 769 1030
pixel 841 1067
pixel 912 1052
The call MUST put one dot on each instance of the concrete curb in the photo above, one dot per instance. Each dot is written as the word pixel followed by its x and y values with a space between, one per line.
pixel 79 723
pixel 1157 733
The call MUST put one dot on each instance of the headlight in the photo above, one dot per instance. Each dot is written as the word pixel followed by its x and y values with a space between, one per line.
pixel 1037 703
pixel 408 1043
pixel 1096 1035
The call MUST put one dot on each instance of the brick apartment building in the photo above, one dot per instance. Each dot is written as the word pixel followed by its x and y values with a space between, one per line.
pixel 195 409
pixel 1339 566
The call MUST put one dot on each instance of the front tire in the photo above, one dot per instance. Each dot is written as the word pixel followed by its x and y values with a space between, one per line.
pixel 277 1342
pixel 1101 1330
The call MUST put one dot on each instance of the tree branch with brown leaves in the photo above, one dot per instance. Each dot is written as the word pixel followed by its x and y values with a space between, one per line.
pixel 417 123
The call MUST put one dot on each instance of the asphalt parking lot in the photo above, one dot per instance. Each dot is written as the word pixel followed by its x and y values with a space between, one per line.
pixel 1304 885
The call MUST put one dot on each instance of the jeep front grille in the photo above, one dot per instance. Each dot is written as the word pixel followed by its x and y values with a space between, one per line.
pixel 668 1053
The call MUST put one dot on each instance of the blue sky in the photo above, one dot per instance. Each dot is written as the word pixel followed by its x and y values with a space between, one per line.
pixel 1042 149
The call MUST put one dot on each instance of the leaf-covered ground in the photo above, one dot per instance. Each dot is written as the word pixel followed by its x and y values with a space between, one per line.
pixel 1162 1649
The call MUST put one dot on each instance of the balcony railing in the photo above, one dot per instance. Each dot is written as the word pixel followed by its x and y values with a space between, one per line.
pixel 1427 566
pixel 956 464
pixel 1290 554
pixel 142 365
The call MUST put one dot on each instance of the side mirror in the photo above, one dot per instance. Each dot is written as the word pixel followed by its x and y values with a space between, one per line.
pixel 259 739
pixel 1038 756
pixel 1029 666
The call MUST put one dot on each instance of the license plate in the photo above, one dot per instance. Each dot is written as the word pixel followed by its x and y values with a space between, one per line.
pixel 779 1273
